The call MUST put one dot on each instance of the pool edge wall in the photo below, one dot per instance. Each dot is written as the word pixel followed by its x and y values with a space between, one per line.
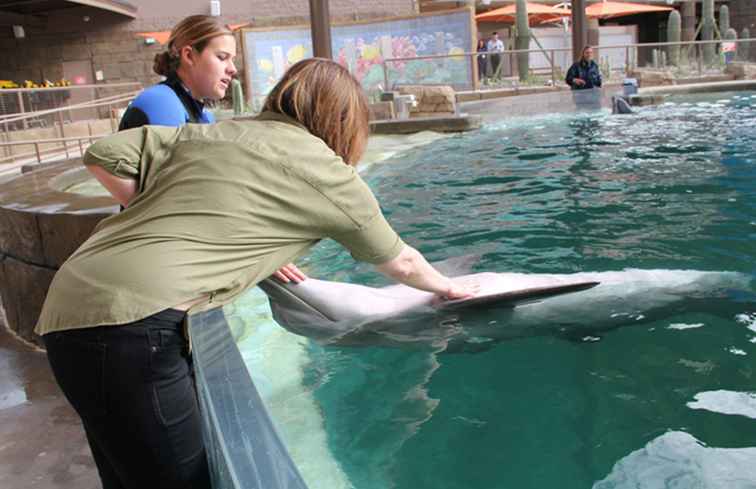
pixel 40 227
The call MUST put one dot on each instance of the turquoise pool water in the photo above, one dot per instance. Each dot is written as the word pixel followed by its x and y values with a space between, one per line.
pixel 660 403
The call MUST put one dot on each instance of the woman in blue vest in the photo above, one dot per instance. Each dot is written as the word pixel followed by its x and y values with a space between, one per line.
pixel 198 66
pixel 585 73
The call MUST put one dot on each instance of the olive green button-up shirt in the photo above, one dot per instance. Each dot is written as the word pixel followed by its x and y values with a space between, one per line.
pixel 219 207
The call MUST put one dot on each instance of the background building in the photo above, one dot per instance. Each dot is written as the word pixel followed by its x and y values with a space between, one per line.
pixel 93 41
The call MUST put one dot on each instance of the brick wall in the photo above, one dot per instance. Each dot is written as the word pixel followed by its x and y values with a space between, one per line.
pixel 110 43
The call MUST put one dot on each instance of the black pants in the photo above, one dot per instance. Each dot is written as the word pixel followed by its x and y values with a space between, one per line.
pixel 133 387
pixel 495 62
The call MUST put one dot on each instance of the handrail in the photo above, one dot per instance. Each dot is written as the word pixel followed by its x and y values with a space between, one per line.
pixel 110 100
pixel 544 51
pixel 38 152
pixel 615 46
pixel 54 140
pixel 71 87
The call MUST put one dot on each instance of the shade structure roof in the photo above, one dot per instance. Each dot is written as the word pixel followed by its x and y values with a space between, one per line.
pixel 610 9
pixel 538 13
pixel 38 7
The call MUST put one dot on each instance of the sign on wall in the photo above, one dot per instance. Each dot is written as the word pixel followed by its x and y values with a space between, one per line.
pixel 362 47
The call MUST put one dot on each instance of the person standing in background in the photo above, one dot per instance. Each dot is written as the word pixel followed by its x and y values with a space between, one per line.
pixel 495 47
pixel 584 73
pixel 482 50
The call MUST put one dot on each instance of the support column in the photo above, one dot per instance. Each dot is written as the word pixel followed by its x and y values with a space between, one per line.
pixel 688 14
pixel 579 28
pixel 320 26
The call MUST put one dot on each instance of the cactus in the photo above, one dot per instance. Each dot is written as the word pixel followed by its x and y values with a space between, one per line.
pixel 522 39
pixel 237 94
pixel 744 49
pixel 724 19
pixel 674 29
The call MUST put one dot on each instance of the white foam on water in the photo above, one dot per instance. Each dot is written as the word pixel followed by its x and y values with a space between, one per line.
pixel 684 326
pixel 677 460
pixel 736 351
pixel 748 319
pixel 726 402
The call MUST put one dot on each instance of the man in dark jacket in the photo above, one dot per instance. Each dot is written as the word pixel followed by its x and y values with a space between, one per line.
pixel 585 72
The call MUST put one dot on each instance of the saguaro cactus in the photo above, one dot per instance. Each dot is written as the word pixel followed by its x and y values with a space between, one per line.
pixel 674 30
pixel 707 31
pixel 724 19
pixel 237 94
pixel 522 39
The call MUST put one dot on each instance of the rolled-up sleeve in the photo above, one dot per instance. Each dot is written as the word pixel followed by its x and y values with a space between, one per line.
pixel 119 154
pixel 353 217
pixel 374 243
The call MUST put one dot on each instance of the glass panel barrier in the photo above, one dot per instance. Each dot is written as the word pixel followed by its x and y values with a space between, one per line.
pixel 244 448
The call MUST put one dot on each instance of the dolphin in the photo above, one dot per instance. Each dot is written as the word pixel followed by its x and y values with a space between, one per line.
pixel 397 315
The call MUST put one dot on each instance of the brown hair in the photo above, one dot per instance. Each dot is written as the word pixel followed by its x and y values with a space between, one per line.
pixel 195 31
pixel 325 98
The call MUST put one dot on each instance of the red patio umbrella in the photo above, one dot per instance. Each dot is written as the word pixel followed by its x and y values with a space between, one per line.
pixel 610 9
pixel 537 14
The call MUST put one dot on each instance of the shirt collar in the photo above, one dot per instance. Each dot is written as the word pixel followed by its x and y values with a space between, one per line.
pixel 278 117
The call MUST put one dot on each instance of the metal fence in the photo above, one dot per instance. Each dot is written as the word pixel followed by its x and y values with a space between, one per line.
pixel 16 102
pixel 676 61
pixel 64 131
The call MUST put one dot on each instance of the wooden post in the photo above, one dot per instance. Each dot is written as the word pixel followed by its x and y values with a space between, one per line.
pixel 39 156
pixel 579 28
pixel 320 27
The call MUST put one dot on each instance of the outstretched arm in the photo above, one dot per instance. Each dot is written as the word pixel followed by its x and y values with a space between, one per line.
pixel 411 268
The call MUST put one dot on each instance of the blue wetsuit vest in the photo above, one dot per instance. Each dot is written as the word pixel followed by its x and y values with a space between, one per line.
pixel 166 104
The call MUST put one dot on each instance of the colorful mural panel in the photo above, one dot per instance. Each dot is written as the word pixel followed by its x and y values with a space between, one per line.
pixel 363 47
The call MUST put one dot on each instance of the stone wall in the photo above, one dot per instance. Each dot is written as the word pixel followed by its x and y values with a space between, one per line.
pixel 110 42
pixel 40 227
pixel 431 100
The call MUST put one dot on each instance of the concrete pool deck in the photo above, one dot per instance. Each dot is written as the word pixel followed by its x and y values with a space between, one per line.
pixel 42 443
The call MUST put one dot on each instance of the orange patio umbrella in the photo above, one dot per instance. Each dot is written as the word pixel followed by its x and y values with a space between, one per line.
pixel 610 10
pixel 537 14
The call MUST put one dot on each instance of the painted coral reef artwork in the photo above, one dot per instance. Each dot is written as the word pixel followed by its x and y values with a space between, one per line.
pixel 364 48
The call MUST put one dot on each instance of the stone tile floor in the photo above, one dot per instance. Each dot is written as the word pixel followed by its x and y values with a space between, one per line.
pixel 42 444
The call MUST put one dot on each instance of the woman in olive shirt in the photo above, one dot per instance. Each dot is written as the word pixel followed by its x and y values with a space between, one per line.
pixel 211 211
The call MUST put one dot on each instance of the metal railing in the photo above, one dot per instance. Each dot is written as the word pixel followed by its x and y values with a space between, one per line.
pixel 691 58
pixel 18 101
pixel 54 140
pixel 81 142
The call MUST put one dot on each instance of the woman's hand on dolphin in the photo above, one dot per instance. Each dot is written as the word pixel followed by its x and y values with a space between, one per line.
pixel 458 291
pixel 290 273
